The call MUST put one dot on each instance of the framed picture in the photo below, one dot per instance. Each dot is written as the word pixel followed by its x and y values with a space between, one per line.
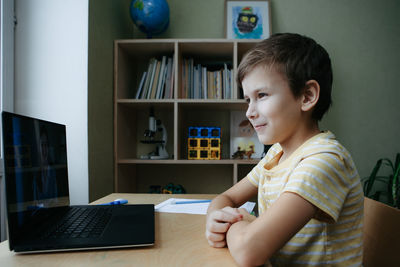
pixel 244 140
pixel 247 19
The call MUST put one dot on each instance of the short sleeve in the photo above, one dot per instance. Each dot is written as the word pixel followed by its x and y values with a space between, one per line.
pixel 256 173
pixel 322 180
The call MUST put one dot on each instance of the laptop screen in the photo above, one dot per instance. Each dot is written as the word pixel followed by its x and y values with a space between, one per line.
pixel 35 165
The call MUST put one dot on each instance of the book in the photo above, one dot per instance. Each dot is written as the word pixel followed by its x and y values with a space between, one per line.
pixel 218 84
pixel 147 80
pixel 155 80
pixel 167 83
pixel 140 87
pixel 172 87
pixel 191 81
pixel 244 140
pixel 204 82
pixel 225 82
pixel 230 84
pixel 211 85
pixel 162 87
pixel 161 77
pixel 153 71
pixel 194 80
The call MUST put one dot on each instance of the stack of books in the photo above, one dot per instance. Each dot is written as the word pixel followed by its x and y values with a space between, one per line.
pixel 200 83
pixel 157 82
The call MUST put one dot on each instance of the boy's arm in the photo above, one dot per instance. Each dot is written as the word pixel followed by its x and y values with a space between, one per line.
pixel 252 243
pixel 221 213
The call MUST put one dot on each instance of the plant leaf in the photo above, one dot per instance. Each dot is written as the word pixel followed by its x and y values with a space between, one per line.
pixel 388 162
pixel 395 182
pixel 397 160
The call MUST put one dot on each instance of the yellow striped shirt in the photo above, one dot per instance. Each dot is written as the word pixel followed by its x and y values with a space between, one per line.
pixel 321 171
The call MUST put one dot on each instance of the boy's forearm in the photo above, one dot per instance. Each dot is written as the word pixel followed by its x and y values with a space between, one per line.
pixel 238 244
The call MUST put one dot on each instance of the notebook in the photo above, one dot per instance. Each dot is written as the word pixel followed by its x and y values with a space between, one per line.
pixel 40 217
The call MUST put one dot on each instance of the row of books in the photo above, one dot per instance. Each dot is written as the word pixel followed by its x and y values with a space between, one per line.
pixel 201 83
pixel 157 82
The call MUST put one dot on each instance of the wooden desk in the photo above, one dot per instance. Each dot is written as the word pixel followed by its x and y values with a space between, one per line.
pixel 180 241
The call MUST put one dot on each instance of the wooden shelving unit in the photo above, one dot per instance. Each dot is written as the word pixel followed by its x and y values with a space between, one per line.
pixel 133 174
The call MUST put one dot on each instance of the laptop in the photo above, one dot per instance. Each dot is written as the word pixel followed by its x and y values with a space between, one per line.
pixel 40 217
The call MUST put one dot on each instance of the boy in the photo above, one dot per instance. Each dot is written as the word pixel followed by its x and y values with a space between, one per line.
pixel 309 193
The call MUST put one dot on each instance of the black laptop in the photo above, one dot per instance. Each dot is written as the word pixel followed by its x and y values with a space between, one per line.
pixel 40 218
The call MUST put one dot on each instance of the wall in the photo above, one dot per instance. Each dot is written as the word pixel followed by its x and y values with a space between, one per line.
pixel 51 51
pixel 108 20
pixel 362 37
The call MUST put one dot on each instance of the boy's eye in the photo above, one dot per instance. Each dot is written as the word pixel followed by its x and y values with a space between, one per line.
pixel 261 95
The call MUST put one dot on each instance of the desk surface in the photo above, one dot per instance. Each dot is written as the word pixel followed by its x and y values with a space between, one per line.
pixel 179 241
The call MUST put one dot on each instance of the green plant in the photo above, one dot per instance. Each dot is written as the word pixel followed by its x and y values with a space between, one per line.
pixel 390 182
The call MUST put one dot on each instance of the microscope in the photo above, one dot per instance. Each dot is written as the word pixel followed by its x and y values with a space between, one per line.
pixel 155 126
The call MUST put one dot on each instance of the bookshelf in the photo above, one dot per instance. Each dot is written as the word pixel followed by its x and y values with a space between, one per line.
pixel 177 111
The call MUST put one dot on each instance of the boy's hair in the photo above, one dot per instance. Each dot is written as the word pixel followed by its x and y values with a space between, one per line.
pixel 297 57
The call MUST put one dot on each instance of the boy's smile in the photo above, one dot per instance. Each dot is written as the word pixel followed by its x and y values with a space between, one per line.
pixel 273 110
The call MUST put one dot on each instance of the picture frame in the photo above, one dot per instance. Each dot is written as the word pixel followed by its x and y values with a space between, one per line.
pixel 247 19
pixel 244 143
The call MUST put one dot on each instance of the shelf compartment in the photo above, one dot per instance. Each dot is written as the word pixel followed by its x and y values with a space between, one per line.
pixel 209 53
pixel 191 176
pixel 132 119
pixel 132 59
pixel 205 114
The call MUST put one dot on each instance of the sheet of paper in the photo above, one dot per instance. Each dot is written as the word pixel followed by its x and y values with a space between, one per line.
pixel 191 208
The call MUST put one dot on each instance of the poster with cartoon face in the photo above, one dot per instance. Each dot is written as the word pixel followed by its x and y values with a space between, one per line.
pixel 244 140
pixel 247 19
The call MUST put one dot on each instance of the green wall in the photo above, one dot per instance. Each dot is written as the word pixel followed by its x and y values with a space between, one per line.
pixel 362 37
pixel 108 20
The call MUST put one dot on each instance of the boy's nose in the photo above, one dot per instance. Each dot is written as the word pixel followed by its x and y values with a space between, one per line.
pixel 251 111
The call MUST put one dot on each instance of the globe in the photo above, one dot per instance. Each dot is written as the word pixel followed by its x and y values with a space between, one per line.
pixel 150 16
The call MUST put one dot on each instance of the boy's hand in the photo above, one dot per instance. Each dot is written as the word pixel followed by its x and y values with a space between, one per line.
pixel 247 216
pixel 218 223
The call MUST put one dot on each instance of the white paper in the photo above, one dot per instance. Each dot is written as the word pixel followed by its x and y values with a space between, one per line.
pixel 191 208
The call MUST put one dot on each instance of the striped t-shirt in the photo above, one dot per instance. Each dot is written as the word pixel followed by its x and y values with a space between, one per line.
pixel 322 172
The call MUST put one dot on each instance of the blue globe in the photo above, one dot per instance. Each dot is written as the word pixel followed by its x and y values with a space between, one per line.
pixel 150 16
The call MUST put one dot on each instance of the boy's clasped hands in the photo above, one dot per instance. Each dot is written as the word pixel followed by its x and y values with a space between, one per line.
pixel 219 221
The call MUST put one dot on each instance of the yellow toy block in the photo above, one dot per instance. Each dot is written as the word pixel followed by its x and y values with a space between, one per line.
pixel 193 142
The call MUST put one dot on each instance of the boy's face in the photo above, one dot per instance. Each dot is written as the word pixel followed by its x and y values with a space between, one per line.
pixel 273 110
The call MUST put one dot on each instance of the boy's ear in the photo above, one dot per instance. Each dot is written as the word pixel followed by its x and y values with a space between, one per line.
pixel 310 95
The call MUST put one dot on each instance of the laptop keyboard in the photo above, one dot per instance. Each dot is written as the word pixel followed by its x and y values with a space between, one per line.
pixel 81 223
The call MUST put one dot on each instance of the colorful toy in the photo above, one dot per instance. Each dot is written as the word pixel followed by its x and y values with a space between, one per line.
pixel 167 189
pixel 204 143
